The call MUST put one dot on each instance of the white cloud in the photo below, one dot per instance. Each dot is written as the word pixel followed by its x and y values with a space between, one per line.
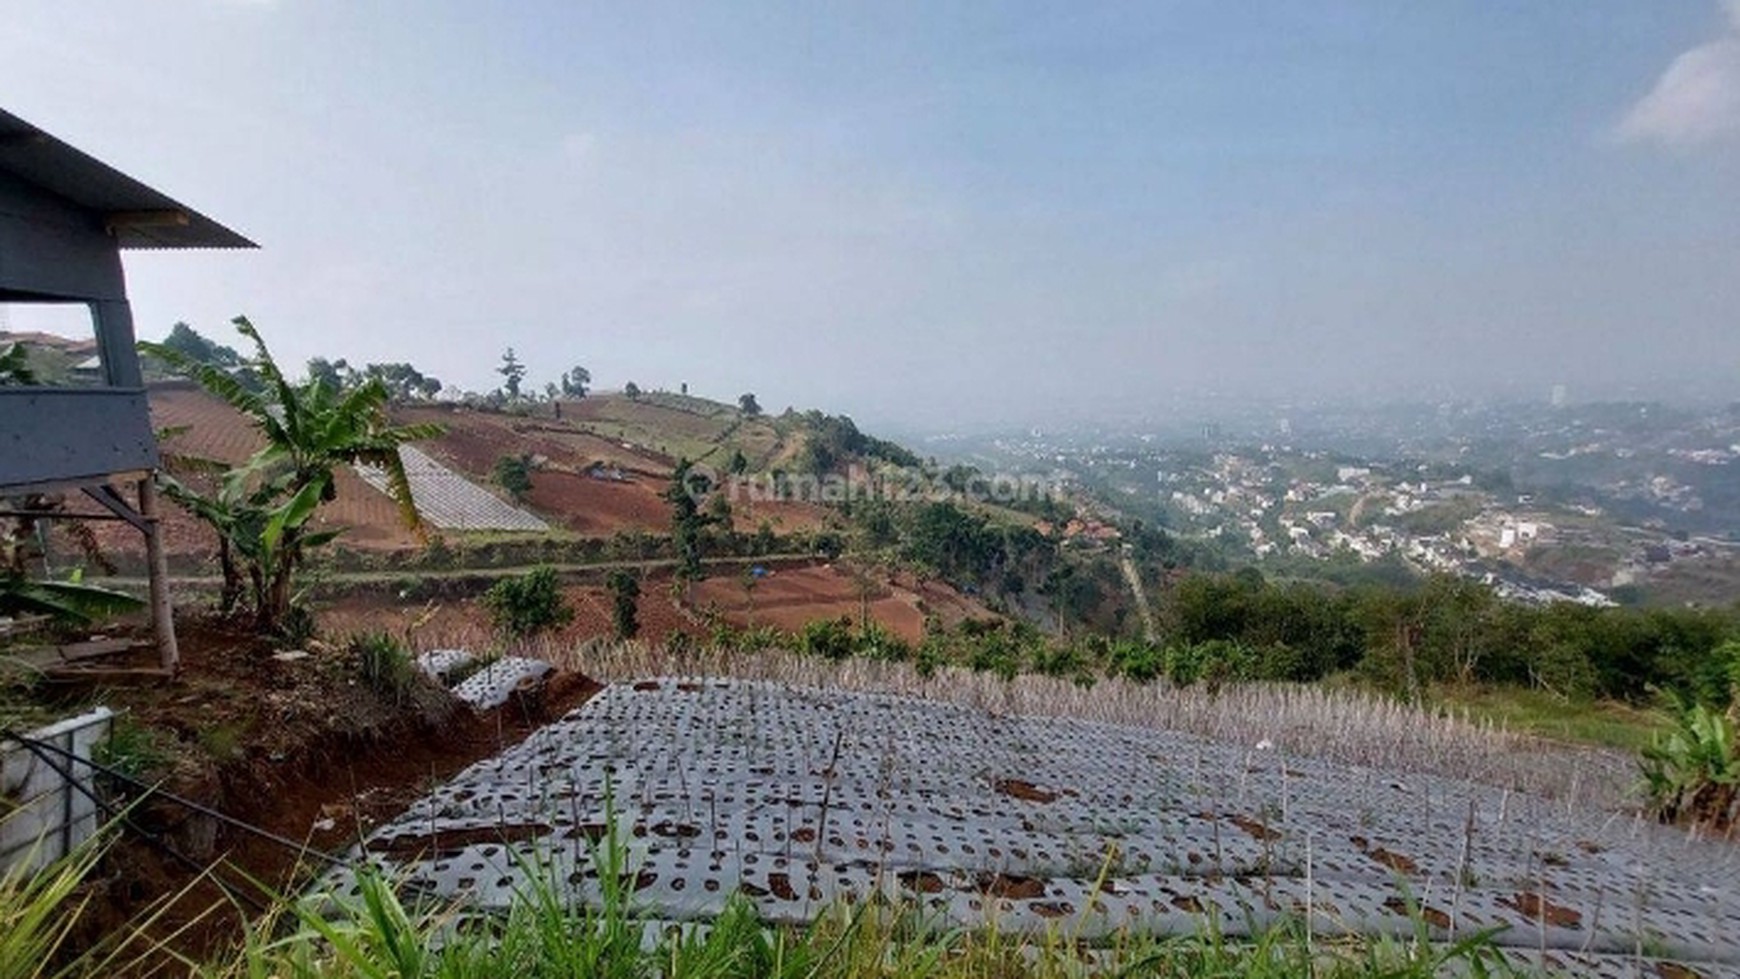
pixel 1697 100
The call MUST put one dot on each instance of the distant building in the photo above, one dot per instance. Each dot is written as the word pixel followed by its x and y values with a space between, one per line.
pixel 1560 396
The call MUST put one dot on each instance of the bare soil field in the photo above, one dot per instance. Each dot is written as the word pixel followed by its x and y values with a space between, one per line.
pixel 475 440
pixel 600 507
pixel 674 426
pixel 791 598
pixel 788 598
pixel 463 622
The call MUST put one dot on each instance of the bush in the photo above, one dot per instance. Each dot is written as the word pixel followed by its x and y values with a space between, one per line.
pixel 829 638
pixel 514 474
pixel 1138 661
pixel 876 642
pixel 527 605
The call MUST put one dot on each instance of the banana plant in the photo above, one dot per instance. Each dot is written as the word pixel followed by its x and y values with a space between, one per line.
pixel 1693 771
pixel 262 509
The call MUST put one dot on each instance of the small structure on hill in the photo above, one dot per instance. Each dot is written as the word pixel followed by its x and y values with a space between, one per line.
pixel 64 217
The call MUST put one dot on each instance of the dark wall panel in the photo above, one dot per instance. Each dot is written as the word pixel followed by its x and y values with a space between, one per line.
pixel 55 434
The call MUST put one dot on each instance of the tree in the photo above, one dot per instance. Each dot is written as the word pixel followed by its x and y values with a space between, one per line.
pixel 191 346
pixel 406 383
pixel 746 403
pixel 262 509
pixel 335 374
pixel 632 390
pixel 687 522
pixel 739 463
pixel 512 372
pixel 574 382
pixel 524 606
pixel 514 474
pixel 625 602
pixel 15 366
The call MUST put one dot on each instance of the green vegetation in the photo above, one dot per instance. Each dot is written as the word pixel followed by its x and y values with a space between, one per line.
pixel 404 382
pixel 830 440
pixel 190 346
pixel 262 510
pixel 37 913
pixel 132 749
pixel 15 366
pixel 69 602
pixel 513 373
pixel 688 523
pixel 384 664
pixel 1536 711
pixel 514 474
pixel 574 382
pixel 525 606
pixel 624 602
pixel 1692 774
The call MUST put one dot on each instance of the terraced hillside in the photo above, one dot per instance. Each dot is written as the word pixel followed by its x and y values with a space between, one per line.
pixel 799 798
pixel 603 465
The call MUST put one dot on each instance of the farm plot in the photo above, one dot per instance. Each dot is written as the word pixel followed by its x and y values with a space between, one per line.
pixel 450 501
pixel 799 798
pixel 791 598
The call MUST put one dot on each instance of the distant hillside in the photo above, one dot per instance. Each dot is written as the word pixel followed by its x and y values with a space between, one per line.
pixel 598 465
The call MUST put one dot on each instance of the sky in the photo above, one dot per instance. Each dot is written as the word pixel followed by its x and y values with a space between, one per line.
pixel 936 214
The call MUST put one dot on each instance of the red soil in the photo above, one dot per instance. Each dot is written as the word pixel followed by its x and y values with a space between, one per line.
pixel 791 598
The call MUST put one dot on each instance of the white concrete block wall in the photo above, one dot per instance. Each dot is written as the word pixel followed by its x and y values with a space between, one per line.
pixel 42 817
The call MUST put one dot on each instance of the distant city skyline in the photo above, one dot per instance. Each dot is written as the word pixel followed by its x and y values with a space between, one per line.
pixel 925 215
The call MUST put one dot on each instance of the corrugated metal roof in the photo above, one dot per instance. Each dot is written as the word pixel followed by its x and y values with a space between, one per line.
pixel 137 215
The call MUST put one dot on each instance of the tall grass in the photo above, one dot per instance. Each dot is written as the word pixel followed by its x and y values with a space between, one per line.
pixel 38 909
pixel 375 934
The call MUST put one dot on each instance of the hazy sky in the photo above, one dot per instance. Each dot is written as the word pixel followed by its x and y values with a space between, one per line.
pixel 929 212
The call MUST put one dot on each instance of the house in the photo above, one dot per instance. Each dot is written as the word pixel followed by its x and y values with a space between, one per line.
pixel 64 219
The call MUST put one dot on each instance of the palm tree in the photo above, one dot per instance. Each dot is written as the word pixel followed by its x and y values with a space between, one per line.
pixel 261 509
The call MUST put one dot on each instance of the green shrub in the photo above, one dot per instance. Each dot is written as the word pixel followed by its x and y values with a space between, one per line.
pixel 875 641
pixel 1061 659
pixel 1139 661
pixel 527 605
pixel 829 638
pixel 514 474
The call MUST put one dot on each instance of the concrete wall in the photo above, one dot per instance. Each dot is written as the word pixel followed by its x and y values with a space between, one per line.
pixel 42 817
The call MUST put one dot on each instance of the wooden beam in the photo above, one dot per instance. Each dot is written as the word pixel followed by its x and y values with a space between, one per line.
pixel 65 673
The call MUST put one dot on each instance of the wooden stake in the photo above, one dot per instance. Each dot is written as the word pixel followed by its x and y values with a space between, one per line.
pixel 162 614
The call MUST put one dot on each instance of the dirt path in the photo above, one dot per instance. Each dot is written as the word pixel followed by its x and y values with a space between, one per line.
pixel 1134 579
pixel 563 568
